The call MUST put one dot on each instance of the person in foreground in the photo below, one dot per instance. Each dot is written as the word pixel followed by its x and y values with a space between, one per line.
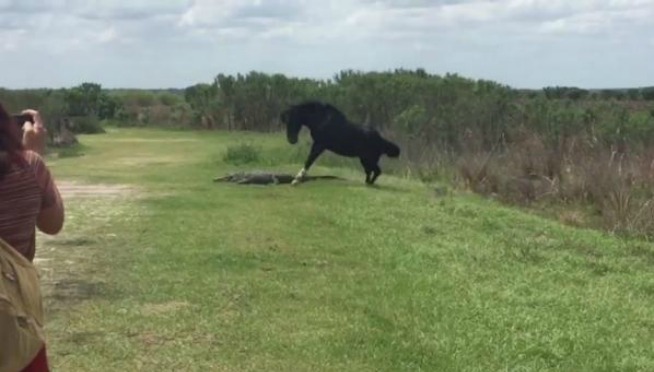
pixel 29 198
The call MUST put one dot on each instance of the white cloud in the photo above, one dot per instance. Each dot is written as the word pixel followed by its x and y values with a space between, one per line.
pixel 9 39
pixel 107 35
pixel 196 39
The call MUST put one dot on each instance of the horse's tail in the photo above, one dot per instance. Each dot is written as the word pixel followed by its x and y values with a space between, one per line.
pixel 389 148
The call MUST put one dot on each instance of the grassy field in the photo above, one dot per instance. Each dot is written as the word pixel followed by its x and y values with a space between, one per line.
pixel 162 269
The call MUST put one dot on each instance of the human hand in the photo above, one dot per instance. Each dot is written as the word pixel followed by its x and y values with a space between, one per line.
pixel 34 133
pixel 38 120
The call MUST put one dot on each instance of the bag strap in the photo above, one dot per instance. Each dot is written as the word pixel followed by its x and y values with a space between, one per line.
pixel 15 255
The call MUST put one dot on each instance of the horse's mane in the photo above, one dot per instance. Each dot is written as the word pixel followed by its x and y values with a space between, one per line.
pixel 317 106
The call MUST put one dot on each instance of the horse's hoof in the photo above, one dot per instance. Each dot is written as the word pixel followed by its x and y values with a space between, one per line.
pixel 295 182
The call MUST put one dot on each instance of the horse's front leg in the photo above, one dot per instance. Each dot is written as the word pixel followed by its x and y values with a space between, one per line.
pixel 316 150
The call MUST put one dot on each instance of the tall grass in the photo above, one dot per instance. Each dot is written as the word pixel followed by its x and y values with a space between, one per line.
pixel 617 189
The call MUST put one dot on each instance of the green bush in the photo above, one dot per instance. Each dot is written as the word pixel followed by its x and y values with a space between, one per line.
pixel 86 125
pixel 70 152
pixel 242 154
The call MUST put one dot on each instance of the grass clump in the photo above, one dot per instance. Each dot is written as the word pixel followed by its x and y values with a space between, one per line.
pixel 244 153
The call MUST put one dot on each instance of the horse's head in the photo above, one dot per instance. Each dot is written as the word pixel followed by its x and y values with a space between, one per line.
pixel 309 113
pixel 293 121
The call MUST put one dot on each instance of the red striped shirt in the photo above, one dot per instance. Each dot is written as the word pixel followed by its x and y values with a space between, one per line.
pixel 24 191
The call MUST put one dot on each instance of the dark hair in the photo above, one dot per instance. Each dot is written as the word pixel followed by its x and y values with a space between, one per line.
pixel 11 143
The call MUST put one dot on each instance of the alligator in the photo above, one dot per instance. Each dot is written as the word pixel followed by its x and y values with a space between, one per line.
pixel 266 178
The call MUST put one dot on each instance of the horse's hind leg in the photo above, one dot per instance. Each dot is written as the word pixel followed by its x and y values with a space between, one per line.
pixel 374 168
pixel 316 150
pixel 376 171
pixel 371 165
pixel 368 169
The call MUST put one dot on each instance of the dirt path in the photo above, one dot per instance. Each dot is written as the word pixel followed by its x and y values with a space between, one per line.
pixel 71 190
pixel 69 273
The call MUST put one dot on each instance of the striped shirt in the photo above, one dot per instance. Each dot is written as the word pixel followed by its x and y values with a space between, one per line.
pixel 24 191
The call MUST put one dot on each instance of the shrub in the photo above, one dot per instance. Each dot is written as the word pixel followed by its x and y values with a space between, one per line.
pixel 242 154
pixel 70 152
pixel 86 125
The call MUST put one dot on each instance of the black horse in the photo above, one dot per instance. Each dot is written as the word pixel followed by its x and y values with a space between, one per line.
pixel 332 131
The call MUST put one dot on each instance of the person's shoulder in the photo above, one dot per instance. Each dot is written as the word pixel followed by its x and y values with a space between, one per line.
pixel 33 158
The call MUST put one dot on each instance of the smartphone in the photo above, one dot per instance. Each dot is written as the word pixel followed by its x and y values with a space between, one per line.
pixel 20 119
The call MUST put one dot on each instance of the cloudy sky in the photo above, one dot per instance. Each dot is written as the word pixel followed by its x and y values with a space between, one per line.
pixel 177 43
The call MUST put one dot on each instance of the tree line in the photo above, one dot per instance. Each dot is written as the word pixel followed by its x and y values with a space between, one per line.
pixel 449 110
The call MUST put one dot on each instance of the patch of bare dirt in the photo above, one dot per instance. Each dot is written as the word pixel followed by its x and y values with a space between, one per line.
pixel 154 140
pixel 164 308
pixel 136 161
pixel 70 189
pixel 151 339
pixel 69 274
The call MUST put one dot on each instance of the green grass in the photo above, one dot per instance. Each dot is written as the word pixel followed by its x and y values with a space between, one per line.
pixel 187 274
